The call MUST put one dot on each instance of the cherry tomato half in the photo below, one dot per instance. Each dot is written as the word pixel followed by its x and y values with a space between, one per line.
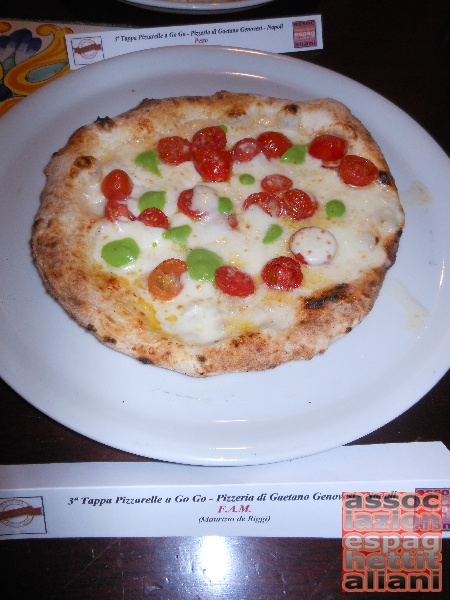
pixel 268 202
pixel 234 282
pixel 210 137
pixel 154 217
pixel 115 209
pixel 184 204
pixel 213 164
pixel 276 183
pixel 356 170
pixel 117 185
pixel 299 205
pixel 328 148
pixel 282 273
pixel 164 282
pixel 245 150
pixel 274 144
pixel 174 150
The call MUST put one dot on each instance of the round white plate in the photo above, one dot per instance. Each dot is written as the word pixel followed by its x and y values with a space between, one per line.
pixel 196 6
pixel 365 379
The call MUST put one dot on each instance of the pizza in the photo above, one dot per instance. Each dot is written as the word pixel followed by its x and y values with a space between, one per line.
pixel 216 234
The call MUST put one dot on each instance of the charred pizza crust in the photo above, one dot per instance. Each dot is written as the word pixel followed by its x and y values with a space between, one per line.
pixel 119 312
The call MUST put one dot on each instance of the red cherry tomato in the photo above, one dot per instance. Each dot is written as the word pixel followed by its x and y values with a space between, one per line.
pixel 154 217
pixel 213 164
pixel 117 185
pixel 234 282
pixel 268 202
pixel 276 183
pixel 328 148
pixel 164 282
pixel 356 170
pixel 115 209
pixel 174 150
pixel 246 149
pixel 184 204
pixel 299 205
pixel 210 137
pixel 282 273
pixel 274 144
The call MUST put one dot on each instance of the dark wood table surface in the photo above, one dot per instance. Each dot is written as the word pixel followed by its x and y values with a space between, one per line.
pixel 399 48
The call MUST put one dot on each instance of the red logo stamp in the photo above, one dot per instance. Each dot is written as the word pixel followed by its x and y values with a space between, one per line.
pixel 392 542
pixel 22 515
pixel 87 50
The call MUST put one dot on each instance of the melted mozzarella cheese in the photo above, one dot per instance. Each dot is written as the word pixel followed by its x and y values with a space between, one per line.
pixel 202 314
pixel 205 200
pixel 313 245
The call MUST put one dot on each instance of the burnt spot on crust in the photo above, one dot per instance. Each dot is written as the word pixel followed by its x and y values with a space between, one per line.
pixel 385 178
pixel 145 361
pixel 320 302
pixel 105 123
pixel 333 295
pixel 109 340
pixel 90 328
pixel 82 163
pixel 201 358
pixel 291 109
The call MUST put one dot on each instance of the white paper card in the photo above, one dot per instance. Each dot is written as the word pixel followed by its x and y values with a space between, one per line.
pixel 298 498
pixel 288 34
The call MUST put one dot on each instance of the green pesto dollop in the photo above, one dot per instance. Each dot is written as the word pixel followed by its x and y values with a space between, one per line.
pixel 335 208
pixel 295 155
pixel 178 234
pixel 152 199
pixel 272 234
pixel 119 253
pixel 202 264
pixel 149 160
pixel 246 179
pixel 225 206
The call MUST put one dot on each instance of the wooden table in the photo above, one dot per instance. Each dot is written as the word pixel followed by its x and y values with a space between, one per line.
pixel 399 49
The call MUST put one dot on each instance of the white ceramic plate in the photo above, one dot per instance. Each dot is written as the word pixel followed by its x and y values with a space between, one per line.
pixel 197 6
pixel 365 380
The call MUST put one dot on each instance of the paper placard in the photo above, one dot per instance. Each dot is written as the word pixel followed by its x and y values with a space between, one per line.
pixel 298 498
pixel 290 34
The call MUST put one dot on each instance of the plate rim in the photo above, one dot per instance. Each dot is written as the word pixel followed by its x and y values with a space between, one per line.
pixel 214 6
